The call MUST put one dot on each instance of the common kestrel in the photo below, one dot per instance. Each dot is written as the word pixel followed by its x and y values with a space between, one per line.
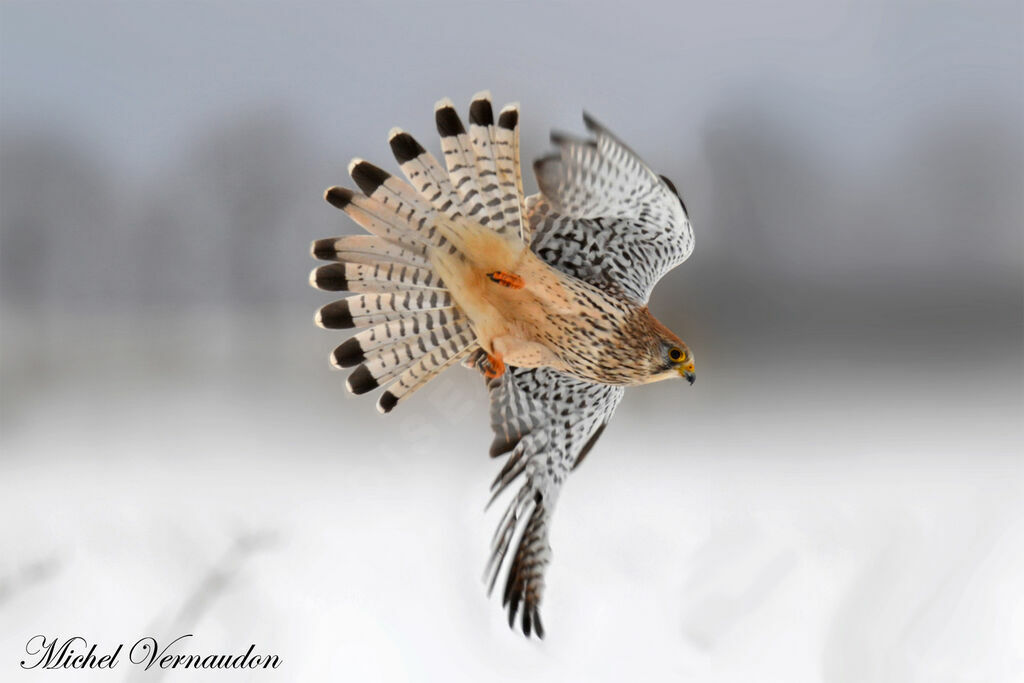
pixel 546 295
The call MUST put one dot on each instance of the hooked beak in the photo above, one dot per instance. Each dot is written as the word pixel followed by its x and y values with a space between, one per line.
pixel 687 372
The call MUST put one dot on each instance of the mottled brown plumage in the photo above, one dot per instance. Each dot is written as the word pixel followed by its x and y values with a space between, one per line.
pixel 552 319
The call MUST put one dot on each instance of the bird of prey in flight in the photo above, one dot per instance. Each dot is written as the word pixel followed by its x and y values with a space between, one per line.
pixel 545 295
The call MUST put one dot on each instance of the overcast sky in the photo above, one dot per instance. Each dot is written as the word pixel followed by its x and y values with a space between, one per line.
pixel 137 78
pixel 842 143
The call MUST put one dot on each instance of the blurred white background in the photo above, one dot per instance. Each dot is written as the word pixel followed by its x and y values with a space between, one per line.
pixel 839 498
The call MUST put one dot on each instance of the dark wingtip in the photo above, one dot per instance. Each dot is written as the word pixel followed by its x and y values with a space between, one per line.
pixel 339 197
pixel 480 112
pixel 540 163
pixel 349 354
pixel 559 138
pixel 387 402
pixel 361 381
pixel 509 119
pixel 501 445
pixel 547 170
pixel 672 186
pixel 513 607
pixel 527 621
pixel 331 278
pixel 405 148
pixel 324 249
pixel 335 316
pixel 448 121
pixel 538 627
pixel 368 177
pixel 591 123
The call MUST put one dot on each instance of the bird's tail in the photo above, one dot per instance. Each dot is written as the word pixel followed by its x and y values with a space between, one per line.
pixel 413 329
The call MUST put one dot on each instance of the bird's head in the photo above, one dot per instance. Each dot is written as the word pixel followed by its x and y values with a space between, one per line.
pixel 676 361
pixel 669 356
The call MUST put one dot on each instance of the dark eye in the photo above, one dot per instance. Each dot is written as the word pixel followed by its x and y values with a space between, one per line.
pixel 675 354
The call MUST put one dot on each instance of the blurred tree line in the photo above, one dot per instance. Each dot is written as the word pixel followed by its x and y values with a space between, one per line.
pixel 786 235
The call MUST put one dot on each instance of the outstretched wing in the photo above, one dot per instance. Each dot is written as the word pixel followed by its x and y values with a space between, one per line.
pixel 546 422
pixel 604 216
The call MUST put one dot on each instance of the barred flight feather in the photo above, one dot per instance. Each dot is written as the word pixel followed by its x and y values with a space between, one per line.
pixel 425 173
pixel 413 328
pixel 355 349
pixel 426 369
pixel 387 363
pixel 510 174
pixel 366 249
pixel 482 138
pixel 397 203
pixel 460 160
pixel 375 277
pixel 377 219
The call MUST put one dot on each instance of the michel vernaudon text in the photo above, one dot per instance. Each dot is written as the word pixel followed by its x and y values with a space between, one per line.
pixel 77 653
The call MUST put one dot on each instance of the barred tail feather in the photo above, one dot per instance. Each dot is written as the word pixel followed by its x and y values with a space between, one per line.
pixel 460 159
pixel 379 307
pixel 374 277
pixel 367 249
pixel 482 137
pixel 376 220
pixel 420 373
pixel 357 349
pixel 388 363
pixel 513 199
pixel 411 327
pixel 336 316
pixel 424 173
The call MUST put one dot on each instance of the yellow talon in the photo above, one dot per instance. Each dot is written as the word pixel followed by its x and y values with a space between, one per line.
pixel 495 366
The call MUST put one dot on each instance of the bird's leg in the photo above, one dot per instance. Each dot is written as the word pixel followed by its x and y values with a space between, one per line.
pixel 507 279
pixel 493 366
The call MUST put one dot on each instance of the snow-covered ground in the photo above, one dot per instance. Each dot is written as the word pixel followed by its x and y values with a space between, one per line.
pixel 737 531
